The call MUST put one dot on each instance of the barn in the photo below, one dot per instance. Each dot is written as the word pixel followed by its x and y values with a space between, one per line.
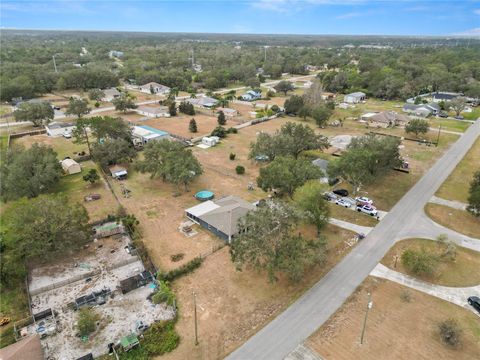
pixel 70 166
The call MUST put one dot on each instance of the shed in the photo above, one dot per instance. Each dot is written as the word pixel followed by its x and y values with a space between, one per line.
pixel 70 166
pixel 129 342
pixel 355 98
pixel 209 141
pixel 118 172
pixel 136 281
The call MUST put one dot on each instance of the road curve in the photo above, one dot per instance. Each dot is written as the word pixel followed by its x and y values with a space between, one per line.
pixel 278 338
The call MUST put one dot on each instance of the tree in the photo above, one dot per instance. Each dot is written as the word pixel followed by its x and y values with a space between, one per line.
pixel 285 174
pixel 113 151
pixel 474 195
pixel 321 114
pixel 96 95
pixel 304 112
pixel 292 139
pixel 458 105
pixel 192 126
pixel 38 113
pixel 186 108
pixel 172 109
pixel 124 103
pixel 221 118
pixel 253 83
pixel 87 321
pixel 269 241
pixel 77 107
pixel 417 126
pixel 309 198
pixel 29 172
pixel 240 170
pixel 293 104
pixel 450 332
pixel 46 225
pixel 366 159
pixel 313 96
pixel 419 262
pixel 219 131
pixel 92 176
pixel 284 86
pixel 170 161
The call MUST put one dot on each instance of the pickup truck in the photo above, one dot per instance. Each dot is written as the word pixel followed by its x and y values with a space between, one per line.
pixel 366 209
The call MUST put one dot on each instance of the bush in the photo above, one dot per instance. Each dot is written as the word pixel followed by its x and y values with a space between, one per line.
pixel 219 131
pixel 232 130
pixel 164 294
pixel 240 170
pixel 177 257
pixel 450 332
pixel 419 262
pixel 232 156
pixel 275 108
pixel 87 320
pixel 182 270
pixel 406 296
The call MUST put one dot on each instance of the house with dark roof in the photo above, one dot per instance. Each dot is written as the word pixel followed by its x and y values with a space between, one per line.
pixel 221 216
pixel 422 110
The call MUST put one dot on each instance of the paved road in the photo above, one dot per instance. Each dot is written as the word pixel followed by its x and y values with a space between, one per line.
pixel 455 295
pixel 277 339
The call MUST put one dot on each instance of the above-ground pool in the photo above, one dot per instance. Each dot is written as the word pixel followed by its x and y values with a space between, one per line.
pixel 204 195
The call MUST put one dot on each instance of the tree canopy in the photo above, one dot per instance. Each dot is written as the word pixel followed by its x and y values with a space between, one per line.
pixel 39 113
pixel 294 104
pixel 309 198
pixel 474 195
pixel 269 241
pixel 124 103
pixel 170 161
pixel 285 174
pixel 417 126
pixel 366 159
pixel 77 107
pixel 284 86
pixel 113 151
pixel 29 172
pixel 292 139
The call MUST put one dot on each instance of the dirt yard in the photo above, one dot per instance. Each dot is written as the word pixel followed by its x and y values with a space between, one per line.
pixel 396 329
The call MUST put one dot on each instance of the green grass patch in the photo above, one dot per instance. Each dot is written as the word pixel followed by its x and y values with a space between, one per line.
pixel 448 124
pixel 13 304
pixel 460 272
pixel 354 217
pixel 474 115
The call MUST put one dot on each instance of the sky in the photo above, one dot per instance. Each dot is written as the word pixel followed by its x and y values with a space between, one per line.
pixel 343 17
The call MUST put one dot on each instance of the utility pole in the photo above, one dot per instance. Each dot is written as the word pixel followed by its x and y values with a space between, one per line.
pixel 195 316
pixel 54 64
pixel 369 306
pixel 438 136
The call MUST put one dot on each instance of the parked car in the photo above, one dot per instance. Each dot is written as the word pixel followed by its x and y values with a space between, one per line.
pixel 67 134
pixel 443 115
pixel 343 203
pixel 366 209
pixel 474 301
pixel 329 196
pixel 341 192
pixel 459 117
pixel 364 200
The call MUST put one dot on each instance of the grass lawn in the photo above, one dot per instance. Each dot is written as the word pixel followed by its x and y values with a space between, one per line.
pixel 355 217
pixel 474 115
pixel 461 272
pixel 457 185
pixel 13 304
pixel 448 124
pixel 63 147
pixel 458 220
pixel 396 329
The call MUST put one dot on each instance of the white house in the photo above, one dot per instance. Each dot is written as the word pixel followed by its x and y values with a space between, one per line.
pixel 59 128
pixel 210 140
pixel 203 101
pixel 228 112
pixel 355 98
pixel 70 166
pixel 155 88
pixel 110 94
pixel 145 133
pixel 251 95
pixel 153 111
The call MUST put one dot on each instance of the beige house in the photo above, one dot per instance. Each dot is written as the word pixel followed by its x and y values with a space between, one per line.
pixel 154 88
pixel 71 167
pixel 153 111
pixel 388 119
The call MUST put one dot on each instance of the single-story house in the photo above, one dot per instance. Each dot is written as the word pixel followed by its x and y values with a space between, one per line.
pixel 323 165
pixel 70 166
pixel 29 348
pixel 251 95
pixel 59 128
pixel 389 119
pixel 203 101
pixel 366 117
pixel 210 140
pixel 355 98
pixel 155 88
pixel 228 111
pixel 110 94
pixel 115 53
pixel 118 172
pixel 221 216
pixel 153 111
pixel 422 110
pixel 145 133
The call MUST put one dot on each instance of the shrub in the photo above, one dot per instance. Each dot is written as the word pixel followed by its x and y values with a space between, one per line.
pixel 450 332
pixel 232 130
pixel 182 270
pixel 275 108
pixel 222 120
pixel 232 156
pixel 177 257
pixel 87 320
pixel 406 296
pixel 240 170
pixel 219 131
pixel 97 104
pixel 164 294
pixel 419 262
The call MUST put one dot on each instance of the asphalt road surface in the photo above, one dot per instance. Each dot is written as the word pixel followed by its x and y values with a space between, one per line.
pixel 277 339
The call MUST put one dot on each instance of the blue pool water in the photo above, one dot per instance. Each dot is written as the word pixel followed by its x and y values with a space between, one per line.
pixel 204 195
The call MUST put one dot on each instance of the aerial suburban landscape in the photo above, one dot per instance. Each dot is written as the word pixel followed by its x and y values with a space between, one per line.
pixel 270 180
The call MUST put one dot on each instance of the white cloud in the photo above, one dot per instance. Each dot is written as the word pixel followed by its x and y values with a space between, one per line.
pixel 475 32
